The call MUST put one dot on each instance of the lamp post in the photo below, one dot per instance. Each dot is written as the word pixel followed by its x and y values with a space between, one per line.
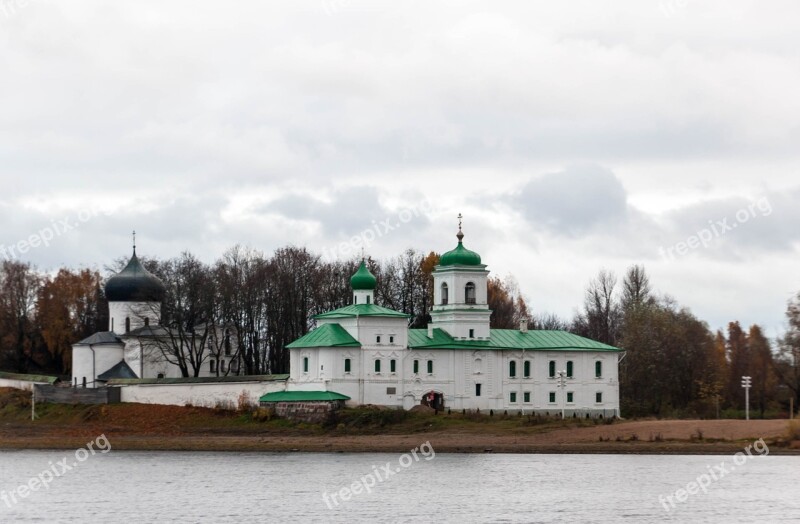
pixel 747 384
pixel 562 383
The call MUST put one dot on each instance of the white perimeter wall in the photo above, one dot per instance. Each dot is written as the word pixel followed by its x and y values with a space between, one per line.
pixel 18 384
pixel 202 395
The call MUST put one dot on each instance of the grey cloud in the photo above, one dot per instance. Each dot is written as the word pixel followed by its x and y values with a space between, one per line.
pixel 574 201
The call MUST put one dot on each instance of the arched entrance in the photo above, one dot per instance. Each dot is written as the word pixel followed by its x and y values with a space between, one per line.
pixel 433 399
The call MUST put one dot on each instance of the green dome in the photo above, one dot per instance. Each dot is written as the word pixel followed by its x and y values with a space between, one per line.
pixel 363 279
pixel 460 256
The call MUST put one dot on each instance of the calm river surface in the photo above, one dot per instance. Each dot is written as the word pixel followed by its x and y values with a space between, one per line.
pixel 132 487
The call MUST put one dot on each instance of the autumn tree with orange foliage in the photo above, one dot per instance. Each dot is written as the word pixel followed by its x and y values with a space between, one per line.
pixel 70 307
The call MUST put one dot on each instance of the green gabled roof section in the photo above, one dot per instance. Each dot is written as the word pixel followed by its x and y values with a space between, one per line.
pixel 362 310
pixel 29 378
pixel 326 335
pixel 509 339
pixel 197 380
pixel 302 396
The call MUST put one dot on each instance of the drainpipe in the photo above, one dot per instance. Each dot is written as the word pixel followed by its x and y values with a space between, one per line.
pixel 94 371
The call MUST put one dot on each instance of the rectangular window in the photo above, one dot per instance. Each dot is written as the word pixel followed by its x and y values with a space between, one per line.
pixel 570 397
pixel 391 339
pixel 416 367
pixel 552 368
pixel 477 390
pixel 569 369
pixel 213 366
pixel 222 366
pixel 598 397
pixel 378 339
pixel 598 369
pixel 513 397
pixel 471 333
pixel 391 391
pixel 305 364
pixel 377 366
pixel 347 365
pixel 393 366
pixel 512 369
pixel 526 369
pixel 430 367
pixel 526 397
pixel 552 397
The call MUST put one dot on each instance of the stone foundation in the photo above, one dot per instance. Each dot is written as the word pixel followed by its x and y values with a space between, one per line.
pixel 312 412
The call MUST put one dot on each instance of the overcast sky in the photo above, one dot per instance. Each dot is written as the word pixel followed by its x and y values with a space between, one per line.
pixel 572 136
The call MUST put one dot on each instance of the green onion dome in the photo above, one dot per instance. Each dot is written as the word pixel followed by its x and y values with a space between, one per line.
pixel 460 256
pixel 363 279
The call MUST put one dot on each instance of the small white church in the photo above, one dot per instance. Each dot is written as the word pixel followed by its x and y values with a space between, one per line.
pixel 130 349
pixel 366 354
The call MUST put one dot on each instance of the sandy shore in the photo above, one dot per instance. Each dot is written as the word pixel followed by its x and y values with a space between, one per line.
pixel 639 437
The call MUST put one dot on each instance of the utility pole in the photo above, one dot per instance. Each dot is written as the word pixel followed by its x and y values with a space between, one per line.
pixel 562 383
pixel 747 384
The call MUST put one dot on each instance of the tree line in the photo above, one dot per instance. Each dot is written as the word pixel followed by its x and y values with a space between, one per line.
pixel 673 363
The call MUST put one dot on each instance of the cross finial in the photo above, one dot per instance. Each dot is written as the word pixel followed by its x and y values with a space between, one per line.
pixel 460 235
pixel 459 221
pixel 134 241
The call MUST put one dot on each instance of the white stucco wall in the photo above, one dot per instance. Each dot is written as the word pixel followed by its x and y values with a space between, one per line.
pixel 136 311
pixel 202 395
pixel 86 363
pixel 18 384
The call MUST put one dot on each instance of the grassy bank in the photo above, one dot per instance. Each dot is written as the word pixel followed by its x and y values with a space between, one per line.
pixel 140 426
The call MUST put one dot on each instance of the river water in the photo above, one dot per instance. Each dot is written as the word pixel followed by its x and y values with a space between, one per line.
pixel 132 487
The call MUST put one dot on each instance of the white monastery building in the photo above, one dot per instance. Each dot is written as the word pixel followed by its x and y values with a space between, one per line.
pixel 367 353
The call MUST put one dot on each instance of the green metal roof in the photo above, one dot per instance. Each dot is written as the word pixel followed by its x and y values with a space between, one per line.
pixel 29 378
pixel 196 380
pixel 326 335
pixel 507 339
pixel 362 310
pixel 302 396
pixel 363 278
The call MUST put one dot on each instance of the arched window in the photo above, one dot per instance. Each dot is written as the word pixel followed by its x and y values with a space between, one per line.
pixel 127 324
pixel 227 341
pixel 469 293
pixel 444 293
pixel 512 369
pixel 146 321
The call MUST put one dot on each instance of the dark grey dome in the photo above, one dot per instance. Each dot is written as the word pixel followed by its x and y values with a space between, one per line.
pixel 135 284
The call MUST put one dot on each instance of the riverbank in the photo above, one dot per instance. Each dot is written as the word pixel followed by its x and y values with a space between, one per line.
pixel 149 427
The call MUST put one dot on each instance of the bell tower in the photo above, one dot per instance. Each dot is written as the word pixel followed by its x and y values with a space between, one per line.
pixel 460 304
